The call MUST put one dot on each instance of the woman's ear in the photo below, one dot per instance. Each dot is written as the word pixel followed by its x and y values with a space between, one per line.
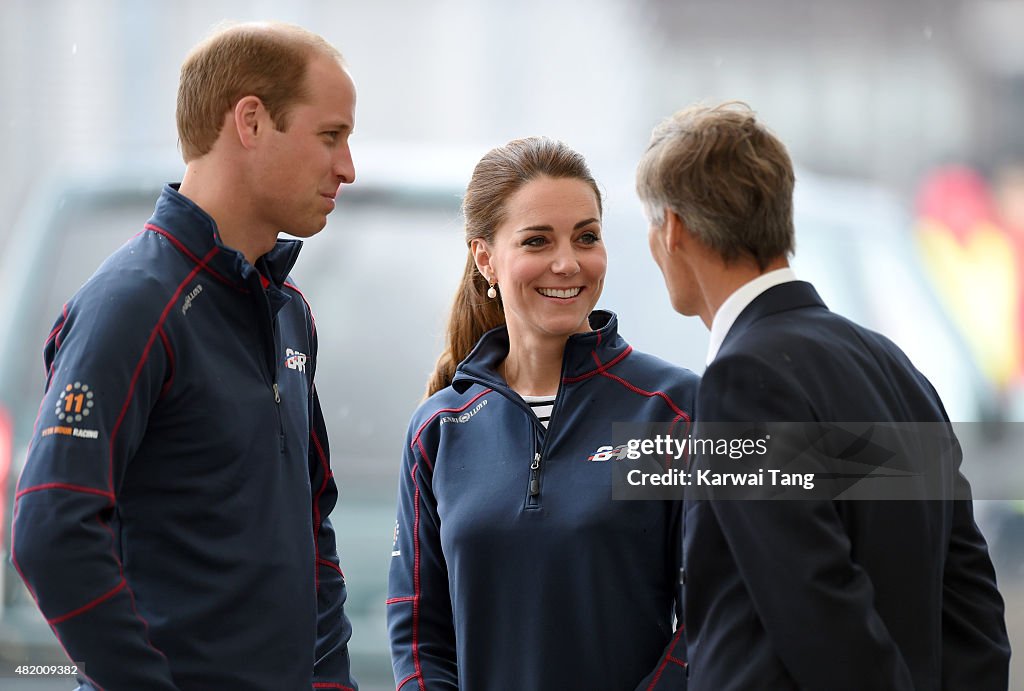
pixel 482 257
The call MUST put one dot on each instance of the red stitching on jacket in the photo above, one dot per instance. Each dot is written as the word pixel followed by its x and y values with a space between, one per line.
pixel 636 389
pixel 309 309
pixel 668 654
pixel 416 437
pixel 330 564
pixel 17 567
pixel 86 607
pixel 416 582
pixel 601 368
pixel 680 415
pixel 423 452
pixel 14 555
pixel 331 685
pixel 64 313
pixel 405 681
pixel 325 464
pixel 145 356
pixel 188 253
pixel 69 487
pixel 56 329
pixel 396 600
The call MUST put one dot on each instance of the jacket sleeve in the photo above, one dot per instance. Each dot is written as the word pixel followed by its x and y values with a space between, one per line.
pixel 670 672
pixel 419 608
pixel 975 647
pixel 105 370
pixel 332 666
pixel 825 602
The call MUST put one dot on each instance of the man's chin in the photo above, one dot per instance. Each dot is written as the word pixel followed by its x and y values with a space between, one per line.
pixel 309 231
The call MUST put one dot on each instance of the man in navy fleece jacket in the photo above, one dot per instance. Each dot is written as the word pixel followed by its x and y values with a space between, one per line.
pixel 172 518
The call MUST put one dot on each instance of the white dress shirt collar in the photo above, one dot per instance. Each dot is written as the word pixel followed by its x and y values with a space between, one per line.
pixel 726 315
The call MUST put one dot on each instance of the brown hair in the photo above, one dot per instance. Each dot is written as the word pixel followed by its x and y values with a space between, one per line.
pixel 726 176
pixel 266 60
pixel 500 173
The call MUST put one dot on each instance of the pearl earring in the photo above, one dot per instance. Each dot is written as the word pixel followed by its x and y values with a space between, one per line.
pixel 491 292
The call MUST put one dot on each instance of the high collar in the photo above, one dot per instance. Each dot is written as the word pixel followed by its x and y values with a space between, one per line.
pixel 585 354
pixel 784 297
pixel 179 217
pixel 727 313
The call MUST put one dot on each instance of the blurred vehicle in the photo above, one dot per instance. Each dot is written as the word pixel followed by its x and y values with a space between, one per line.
pixel 380 279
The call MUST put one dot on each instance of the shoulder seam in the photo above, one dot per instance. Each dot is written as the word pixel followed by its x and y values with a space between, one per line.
pixel 144 357
pixel 202 263
pixel 416 437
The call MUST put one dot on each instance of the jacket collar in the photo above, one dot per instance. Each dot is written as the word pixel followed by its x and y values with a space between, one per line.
pixel 585 354
pixel 784 297
pixel 183 220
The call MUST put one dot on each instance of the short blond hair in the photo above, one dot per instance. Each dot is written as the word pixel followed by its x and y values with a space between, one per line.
pixel 267 60
pixel 727 177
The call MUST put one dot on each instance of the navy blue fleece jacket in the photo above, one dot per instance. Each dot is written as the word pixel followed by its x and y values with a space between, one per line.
pixel 513 568
pixel 172 517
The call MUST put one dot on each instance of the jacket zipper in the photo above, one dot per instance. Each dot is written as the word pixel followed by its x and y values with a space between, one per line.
pixel 535 476
pixel 533 489
pixel 533 499
pixel 270 341
pixel 533 486
pixel 275 387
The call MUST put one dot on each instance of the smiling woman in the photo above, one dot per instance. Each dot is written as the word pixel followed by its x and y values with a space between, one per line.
pixel 549 262
pixel 503 516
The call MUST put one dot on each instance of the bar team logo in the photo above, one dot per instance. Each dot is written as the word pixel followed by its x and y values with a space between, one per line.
pixel 614 453
pixel 295 360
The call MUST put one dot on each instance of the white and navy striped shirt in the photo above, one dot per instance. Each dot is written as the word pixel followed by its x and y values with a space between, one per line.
pixel 541 407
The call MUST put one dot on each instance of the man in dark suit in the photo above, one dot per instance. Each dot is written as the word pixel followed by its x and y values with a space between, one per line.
pixel 814 593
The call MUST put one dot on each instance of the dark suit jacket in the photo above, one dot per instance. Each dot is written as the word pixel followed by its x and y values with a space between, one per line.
pixel 824 594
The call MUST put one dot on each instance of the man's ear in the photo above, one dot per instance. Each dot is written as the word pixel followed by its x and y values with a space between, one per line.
pixel 676 232
pixel 482 257
pixel 249 120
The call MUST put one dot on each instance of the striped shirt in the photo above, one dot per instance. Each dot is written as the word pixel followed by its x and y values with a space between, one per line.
pixel 541 407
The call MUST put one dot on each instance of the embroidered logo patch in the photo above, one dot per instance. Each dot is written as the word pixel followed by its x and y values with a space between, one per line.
pixel 74 403
pixel 465 417
pixel 187 304
pixel 295 360
pixel 617 453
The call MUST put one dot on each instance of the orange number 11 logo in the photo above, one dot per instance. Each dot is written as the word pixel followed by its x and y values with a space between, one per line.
pixel 73 403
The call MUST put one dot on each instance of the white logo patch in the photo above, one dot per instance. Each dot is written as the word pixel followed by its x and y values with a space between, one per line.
pixel 295 360
pixel 187 305
pixel 614 453
pixel 465 417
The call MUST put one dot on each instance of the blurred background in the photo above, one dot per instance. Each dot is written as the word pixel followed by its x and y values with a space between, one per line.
pixel 903 119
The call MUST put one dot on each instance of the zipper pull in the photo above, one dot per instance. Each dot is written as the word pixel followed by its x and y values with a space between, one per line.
pixel 277 394
pixel 535 476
